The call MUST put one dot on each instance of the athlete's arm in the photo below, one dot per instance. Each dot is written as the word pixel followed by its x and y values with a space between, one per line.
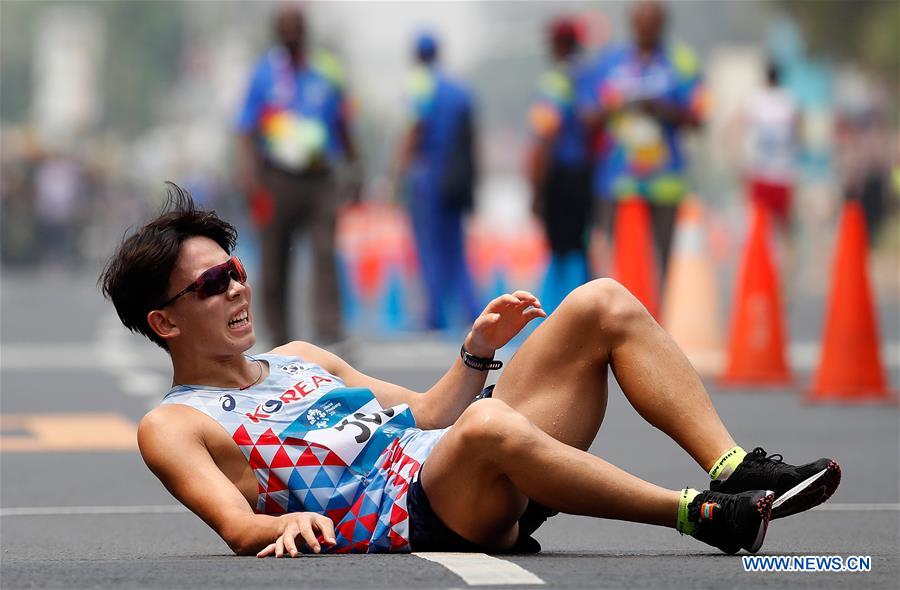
pixel 173 444
pixel 442 404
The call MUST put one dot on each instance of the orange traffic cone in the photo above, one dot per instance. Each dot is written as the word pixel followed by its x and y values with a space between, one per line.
pixel 635 257
pixel 690 308
pixel 850 368
pixel 756 354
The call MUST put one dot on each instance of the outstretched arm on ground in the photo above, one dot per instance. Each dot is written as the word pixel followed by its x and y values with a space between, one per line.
pixel 442 404
pixel 174 445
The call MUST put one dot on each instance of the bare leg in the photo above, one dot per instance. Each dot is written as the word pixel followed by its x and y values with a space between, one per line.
pixel 558 377
pixel 479 476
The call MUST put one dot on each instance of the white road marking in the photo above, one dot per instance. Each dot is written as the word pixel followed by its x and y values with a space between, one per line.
pixel 478 569
pixel 101 510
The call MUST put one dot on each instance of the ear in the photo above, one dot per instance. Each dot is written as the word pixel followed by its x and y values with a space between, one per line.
pixel 162 323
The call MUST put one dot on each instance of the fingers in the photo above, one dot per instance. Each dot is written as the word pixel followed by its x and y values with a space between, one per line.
pixel 309 536
pixel 279 546
pixel 269 550
pixel 526 296
pixel 534 312
pixel 326 529
pixel 519 299
pixel 290 539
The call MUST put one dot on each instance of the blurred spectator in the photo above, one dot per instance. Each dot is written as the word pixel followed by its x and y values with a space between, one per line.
pixel 771 124
pixel 559 166
pixel 293 135
pixel 60 188
pixel 18 231
pixel 864 152
pixel 642 95
pixel 436 158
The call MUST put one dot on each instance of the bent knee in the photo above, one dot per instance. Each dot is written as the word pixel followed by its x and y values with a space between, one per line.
pixel 605 301
pixel 493 423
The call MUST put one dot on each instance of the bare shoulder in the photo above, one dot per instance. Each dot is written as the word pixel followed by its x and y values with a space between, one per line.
pixel 168 425
pixel 310 352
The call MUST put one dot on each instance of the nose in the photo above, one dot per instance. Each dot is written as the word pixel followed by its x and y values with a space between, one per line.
pixel 237 288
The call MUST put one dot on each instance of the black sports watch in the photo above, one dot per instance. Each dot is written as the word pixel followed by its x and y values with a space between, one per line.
pixel 477 362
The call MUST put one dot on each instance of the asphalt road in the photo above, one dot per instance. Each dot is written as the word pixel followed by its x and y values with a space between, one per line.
pixel 74 384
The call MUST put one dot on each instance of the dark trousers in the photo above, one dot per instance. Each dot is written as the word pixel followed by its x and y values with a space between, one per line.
pixel 303 204
pixel 566 197
pixel 662 218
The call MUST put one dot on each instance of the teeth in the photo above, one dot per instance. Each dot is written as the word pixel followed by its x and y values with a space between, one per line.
pixel 240 319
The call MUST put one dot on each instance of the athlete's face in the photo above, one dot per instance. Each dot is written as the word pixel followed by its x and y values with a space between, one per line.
pixel 290 30
pixel 647 22
pixel 216 325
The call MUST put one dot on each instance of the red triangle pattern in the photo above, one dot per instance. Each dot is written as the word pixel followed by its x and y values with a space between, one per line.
pixel 346 528
pixel 333 459
pixel 241 437
pixel 398 514
pixel 281 459
pixel 369 521
pixel 268 438
pixel 397 541
pixel 337 514
pixel 273 507
pixel 307 458
pixel 256 460
pixel 275 483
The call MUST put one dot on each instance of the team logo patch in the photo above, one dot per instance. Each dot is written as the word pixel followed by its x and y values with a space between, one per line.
pixel 291 368
pixel 317 418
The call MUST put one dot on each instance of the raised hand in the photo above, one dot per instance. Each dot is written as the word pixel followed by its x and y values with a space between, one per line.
pixel 501 320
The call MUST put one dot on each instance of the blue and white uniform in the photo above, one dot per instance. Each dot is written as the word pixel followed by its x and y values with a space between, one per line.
pixel 316 445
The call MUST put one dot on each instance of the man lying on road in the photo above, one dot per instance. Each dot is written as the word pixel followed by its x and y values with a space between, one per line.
pixel 295 450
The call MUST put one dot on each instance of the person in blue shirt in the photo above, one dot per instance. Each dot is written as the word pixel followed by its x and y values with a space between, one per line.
pixel 559 165
pixel 436 162
pixel 293 134
pixel 642 96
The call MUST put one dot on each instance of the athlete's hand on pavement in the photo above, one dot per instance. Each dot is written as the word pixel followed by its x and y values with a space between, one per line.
pixel 501 320
pixel 313 529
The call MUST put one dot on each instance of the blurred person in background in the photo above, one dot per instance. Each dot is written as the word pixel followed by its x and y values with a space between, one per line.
pixel 864 154
pixel 559 167
pixel 436 165
pixel 771 126
pixel 293 137
pixel 60 195
pixel 642 95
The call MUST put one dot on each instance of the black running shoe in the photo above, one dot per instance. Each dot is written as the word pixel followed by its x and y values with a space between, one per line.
pixel 797 488
pixel 732 522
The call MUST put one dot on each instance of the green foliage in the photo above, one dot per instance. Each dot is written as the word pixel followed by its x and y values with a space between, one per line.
pixel 865 31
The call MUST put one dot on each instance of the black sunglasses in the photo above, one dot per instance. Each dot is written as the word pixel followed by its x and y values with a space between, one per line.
pixel 214 281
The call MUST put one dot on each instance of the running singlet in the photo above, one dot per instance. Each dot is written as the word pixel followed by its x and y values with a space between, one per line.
pixel 318 446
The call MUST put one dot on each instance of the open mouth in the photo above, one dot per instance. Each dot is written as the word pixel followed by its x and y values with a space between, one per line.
pixel 240 320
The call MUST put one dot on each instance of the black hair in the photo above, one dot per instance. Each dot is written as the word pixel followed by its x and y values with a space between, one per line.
pixel 136 277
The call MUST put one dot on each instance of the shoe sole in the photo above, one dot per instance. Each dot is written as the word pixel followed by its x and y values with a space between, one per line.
pixel 808 493
pixel 764 507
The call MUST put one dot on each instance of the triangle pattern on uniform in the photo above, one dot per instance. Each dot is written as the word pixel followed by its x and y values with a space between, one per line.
pixel 281 459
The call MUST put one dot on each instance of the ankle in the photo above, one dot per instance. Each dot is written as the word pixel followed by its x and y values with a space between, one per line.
pixel 683 524
pixel 725 465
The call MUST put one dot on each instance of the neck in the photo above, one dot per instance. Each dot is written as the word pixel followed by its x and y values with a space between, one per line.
pixel 235 371
pixel 648 51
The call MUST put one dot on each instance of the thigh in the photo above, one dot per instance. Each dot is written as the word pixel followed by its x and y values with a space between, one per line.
pixel 558 377
pixel 469 493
